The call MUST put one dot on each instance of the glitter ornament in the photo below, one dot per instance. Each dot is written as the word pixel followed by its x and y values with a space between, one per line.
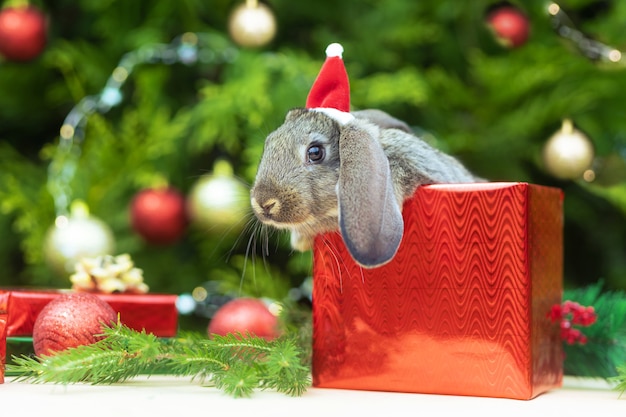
pixel 23 33
pixel 219 202
pixel 158 215
pixel 74 237
pixel 244 315
pixel 568 153
pixel 71 320
pixel 252 24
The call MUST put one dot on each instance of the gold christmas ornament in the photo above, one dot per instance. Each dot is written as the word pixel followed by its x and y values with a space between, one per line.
pixel 74 237
pixel 219 202
pixel 568 153
pixel 252 24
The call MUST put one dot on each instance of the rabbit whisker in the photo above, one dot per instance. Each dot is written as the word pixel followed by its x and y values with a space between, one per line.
pixel 247 228
pixel 338 260
pixel 250 253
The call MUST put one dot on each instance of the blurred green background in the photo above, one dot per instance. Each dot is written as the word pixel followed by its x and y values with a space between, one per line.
pixel 434 64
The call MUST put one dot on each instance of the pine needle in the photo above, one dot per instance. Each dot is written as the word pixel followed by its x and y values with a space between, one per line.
pixel 237 364
pixel 620 379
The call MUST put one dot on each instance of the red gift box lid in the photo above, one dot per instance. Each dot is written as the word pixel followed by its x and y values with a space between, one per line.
pixel 154 313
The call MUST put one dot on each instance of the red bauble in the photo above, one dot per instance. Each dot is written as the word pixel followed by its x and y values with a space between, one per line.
pixel 159 215
pixel 510 26
pixel 71 320
pixel 244 315
pixel 23 33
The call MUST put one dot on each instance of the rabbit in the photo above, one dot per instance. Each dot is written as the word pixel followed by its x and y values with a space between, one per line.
pixel 325 170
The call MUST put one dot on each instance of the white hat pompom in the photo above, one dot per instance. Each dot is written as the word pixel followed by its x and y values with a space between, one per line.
pixel 334 49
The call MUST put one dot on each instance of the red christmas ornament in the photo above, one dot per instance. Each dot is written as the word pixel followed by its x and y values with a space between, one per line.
pixel 71 320
pixel 244 315
pixel 159 215
pixel 23 33
pixel 510 26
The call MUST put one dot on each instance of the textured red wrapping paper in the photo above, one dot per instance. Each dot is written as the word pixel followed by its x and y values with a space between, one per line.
pixel 461 309
pixel 4 301
pixel 154 313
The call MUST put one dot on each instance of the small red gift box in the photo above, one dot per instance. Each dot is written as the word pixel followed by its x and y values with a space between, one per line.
pixel 461 309
pixel 4 301
pixel 154 313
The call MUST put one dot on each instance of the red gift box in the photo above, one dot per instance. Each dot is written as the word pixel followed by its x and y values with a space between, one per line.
pixel 154 313
pixel 461 309
pixel 4 301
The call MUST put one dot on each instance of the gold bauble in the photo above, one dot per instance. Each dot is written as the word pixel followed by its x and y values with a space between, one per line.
pixel 219 202
pixel 74 237
pixel 568 153
pixel 252 24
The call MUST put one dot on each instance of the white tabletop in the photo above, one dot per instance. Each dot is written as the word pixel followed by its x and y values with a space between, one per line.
pixel 160 396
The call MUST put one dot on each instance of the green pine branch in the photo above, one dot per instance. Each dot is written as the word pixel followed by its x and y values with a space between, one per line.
pixel 237 364
pixel 620 379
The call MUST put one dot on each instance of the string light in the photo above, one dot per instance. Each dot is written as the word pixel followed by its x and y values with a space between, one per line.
pixel 190 48
pixel 187 49
pixel 592 49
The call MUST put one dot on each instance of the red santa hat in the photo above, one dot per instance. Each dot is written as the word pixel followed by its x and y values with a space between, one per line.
pixel 331 88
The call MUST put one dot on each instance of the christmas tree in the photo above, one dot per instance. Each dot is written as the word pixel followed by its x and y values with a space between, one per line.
pixel 170 98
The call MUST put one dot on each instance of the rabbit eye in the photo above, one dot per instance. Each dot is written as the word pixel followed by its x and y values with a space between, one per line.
pixel 315 154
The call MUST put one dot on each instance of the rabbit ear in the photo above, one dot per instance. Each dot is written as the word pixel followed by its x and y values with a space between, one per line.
pixel 369 214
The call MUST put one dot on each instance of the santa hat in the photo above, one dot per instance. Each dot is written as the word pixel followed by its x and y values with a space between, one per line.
pixel 331 88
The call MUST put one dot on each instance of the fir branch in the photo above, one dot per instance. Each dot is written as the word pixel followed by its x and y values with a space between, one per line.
pixel 67 368
pixel 620 379
pixel 239 380
pixel 237 364
pixel 121 355
pixel 287 372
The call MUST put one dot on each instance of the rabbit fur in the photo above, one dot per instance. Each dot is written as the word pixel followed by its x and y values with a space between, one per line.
pixel 324 170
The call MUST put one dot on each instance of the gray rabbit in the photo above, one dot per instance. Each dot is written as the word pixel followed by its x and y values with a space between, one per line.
pixel 325 170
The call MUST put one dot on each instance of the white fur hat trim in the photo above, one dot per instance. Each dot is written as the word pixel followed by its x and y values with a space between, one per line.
pixel 341 117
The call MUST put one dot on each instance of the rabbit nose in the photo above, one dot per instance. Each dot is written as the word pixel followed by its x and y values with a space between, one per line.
pixel 270 207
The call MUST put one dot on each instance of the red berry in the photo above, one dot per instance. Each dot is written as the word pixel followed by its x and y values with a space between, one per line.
pixel 569 306
pixel 585 316
pixel 510 26
pixel 574 336
pixel 244 315
pixel 71 320
pixel 572 313
pixel 23 33
pixel 159 215
pixel 556 313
